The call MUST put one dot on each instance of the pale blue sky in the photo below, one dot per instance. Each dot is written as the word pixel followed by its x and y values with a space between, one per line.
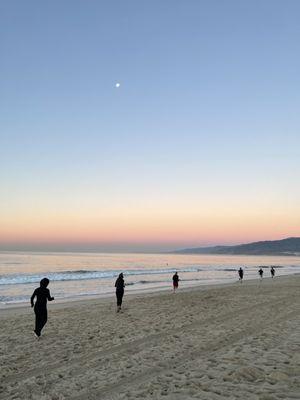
pixel 208 102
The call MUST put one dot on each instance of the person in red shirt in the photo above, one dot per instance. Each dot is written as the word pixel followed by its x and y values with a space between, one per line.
pixel 175 281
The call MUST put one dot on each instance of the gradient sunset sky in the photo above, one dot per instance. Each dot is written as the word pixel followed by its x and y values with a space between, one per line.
pixel 199 145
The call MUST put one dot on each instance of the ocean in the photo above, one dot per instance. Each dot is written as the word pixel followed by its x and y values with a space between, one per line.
pixel 79 275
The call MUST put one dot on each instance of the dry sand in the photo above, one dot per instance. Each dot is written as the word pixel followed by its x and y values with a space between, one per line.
pixel 228 342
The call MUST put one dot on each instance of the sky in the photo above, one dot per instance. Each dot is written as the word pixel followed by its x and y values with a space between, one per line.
pixel 198 145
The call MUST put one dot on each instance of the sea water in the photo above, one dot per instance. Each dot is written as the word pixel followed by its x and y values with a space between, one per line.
pixel 76 275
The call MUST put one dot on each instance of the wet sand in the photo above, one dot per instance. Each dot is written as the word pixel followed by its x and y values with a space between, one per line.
pixel 236 341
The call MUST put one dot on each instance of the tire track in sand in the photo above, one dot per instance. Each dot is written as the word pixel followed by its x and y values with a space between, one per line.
pixel 163 368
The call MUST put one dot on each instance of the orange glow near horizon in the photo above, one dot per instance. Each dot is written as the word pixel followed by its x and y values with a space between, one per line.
pixel 167 227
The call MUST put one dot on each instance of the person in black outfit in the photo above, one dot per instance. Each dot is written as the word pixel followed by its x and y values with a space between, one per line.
pixel 42 294
pixel 261 272
pixel 272 272
pixel 119 285
pixel 241 274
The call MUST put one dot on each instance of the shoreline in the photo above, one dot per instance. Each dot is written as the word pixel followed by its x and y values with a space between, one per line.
pixel 78 278
pixel 132 293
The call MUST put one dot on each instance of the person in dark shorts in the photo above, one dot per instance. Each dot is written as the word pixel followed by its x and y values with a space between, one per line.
pixel 42 294
pixel 241 274
pixel 261 272
pixel 119 285
pixel 175 281
pixel 272 272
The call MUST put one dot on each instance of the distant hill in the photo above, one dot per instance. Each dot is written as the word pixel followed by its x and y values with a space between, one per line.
pixel 284 247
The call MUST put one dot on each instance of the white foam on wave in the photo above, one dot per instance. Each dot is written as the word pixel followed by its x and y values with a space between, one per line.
pixel 77 275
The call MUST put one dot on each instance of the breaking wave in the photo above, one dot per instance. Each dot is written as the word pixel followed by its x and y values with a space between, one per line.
pixel 79 275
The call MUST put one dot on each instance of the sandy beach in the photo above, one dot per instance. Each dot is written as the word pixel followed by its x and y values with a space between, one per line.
pixel 237 341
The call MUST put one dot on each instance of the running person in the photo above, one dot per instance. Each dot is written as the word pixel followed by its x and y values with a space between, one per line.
pixel 261 272
pixel 241 274
pixel 42 294
pixel 175 281
pixel 272 272
pixel 119 285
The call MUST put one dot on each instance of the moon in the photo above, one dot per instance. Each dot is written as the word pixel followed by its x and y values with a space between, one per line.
pixel 118 85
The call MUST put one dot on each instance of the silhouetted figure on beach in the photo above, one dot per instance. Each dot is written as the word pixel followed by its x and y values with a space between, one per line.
pixel 272 272
pixel 261 272
pixel 241 274
pixel 119 285
pixel 175 281
pixel 42 294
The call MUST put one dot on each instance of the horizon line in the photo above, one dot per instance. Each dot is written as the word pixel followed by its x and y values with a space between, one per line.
pixel 71 248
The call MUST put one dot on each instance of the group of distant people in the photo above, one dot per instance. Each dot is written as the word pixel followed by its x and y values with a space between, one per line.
pixel 260 273
pixel 42 295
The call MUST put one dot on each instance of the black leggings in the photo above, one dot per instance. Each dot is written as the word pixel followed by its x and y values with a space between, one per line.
pixel 119 294
pixel 40 319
